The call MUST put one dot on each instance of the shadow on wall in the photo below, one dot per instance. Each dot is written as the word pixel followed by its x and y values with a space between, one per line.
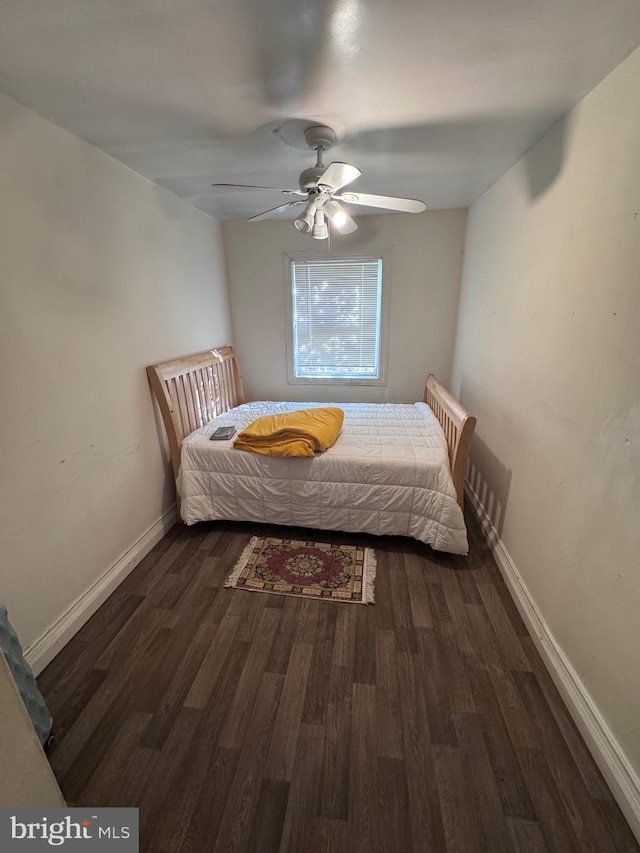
pixel 490 481
pixel 488 478
pixel 543 163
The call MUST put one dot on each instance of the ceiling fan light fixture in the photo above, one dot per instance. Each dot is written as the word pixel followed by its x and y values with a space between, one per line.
pixel 305 222
pixel 320 230
pixel 336 213
pixel 339 217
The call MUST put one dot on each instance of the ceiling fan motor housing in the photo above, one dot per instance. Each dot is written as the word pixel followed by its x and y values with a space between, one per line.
pixel 309 178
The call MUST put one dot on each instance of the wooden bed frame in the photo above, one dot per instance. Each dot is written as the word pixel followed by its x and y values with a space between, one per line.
pixel 196 388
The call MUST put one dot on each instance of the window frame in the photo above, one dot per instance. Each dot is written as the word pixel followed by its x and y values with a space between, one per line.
pixel 318 257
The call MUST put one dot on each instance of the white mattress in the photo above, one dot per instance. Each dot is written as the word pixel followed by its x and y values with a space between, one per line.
pixel 388 473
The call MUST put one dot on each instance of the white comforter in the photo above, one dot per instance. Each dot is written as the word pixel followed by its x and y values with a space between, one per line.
pixel 388 473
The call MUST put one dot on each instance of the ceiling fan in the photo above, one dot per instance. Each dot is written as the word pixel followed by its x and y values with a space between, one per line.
pixel 320 194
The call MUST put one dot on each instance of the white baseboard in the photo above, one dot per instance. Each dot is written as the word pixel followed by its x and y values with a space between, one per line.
pixel 607 753
pixel 47 646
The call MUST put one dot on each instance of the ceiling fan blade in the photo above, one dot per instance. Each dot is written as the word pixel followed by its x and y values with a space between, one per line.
pixel 338 175
pixel 280 209
pixel 404 205
pixel 253 187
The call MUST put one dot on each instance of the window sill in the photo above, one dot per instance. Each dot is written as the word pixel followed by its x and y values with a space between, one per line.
pixel 335 381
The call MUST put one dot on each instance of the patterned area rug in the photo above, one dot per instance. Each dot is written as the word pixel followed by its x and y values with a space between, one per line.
pixel 306 569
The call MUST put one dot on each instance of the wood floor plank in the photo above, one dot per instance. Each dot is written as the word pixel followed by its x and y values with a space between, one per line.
pixel 251 621
pixel 457 609
pixel 307 624
pixel 299 822
pixel 425 815
pixel 512 789
pixel 552 817
pixel 283 642
pixel 434 683
pixel 385 619
pixel 345 638
pixel 67 704
pixel 209 804
pixel 418 599
pixel 400 600
pixel 209 766
pixel 519 724
pixel 112 692
pixel 451 661
pixel 204 681
pixel 394 831
pixel 284 740
pixel 173 764
pixel 249 683
pixel 145 621
pixel 315 704
pixel 390 743
pixel 586 823
pixel 255 722
pixel 333 801
pixel 589 772
pixel 363 779
pixel 239 814
pixel 268 823
pixel 460 832
pixel 330 835
pixel 157 731
pixel 526 835
pixel 364 663
pixel 620 835
pixel 103 785
pixel 514 655
pixel 438 601
pixel 484 797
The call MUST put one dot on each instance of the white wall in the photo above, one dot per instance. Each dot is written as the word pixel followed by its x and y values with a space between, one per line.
pixel 102 273
pixel 425 253
pixel 548 358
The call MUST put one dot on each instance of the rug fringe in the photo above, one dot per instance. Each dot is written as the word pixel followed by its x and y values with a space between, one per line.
pixel 242 562
pixel 370 566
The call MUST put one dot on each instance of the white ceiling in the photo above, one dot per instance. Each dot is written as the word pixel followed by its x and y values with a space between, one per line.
pixel 433 99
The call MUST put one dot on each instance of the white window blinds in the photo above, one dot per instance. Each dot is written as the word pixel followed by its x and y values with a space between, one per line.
pixel 336 318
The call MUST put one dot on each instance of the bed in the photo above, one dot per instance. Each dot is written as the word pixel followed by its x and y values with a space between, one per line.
pixel 395 469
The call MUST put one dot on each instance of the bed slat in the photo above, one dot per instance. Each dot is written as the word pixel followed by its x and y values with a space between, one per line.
pixel 458 426
pixel 194 389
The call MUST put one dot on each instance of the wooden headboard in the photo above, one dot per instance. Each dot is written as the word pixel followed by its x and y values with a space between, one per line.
pixel 458 426
pixel 194 389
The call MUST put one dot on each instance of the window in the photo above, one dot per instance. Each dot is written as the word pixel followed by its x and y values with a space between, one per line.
pixel 337 320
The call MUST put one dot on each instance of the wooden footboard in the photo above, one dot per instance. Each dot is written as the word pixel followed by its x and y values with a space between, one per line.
pixel 196 388
pixel 458 426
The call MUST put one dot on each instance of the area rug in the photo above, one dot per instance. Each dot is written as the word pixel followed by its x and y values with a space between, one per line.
pixel 306 569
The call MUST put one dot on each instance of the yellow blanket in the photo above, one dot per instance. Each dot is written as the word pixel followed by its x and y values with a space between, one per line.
pixel 300 433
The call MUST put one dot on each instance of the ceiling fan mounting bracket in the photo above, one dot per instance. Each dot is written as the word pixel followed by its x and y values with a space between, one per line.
pixel 320 137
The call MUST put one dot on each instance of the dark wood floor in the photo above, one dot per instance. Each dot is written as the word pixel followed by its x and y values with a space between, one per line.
pixel 240 721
